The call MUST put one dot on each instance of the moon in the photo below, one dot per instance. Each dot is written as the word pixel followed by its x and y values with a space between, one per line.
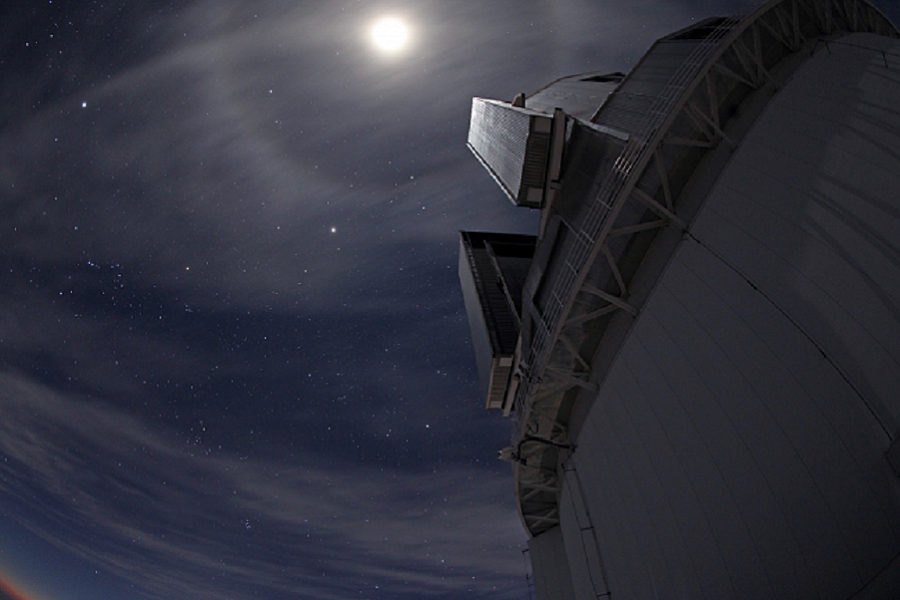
pixel 390 34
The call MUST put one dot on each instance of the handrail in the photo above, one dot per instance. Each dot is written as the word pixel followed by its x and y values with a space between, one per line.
pixel 536 481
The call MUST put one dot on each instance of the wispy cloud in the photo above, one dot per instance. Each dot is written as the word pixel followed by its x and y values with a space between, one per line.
pixel 171 515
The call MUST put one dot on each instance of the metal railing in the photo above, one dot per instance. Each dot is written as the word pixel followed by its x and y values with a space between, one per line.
pixel 537 398
pixel 601 206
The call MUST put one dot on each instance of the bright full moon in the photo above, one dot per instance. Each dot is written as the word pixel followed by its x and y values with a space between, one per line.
pixel 390 35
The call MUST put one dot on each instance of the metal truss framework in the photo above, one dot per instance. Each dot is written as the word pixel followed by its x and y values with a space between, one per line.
pixel 685 121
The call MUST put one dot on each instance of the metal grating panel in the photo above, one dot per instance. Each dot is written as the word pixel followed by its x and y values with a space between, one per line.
pixel 513 144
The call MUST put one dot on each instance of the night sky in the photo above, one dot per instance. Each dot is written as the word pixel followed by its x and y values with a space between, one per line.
pixel 234 358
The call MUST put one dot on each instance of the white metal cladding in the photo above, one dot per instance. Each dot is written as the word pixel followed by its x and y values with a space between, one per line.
pixel 577 95
pixel 590 278
pixel 736 446
pixel 550 566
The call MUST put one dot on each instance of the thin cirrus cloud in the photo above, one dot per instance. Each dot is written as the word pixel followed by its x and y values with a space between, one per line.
pixel 164 513
pixel 214 156
pixel 233 217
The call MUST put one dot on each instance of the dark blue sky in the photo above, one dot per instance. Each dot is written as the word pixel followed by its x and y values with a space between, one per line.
pixel 234 360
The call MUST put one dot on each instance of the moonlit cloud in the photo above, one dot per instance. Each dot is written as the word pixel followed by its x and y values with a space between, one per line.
pixel 164 513
pixel 234 358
